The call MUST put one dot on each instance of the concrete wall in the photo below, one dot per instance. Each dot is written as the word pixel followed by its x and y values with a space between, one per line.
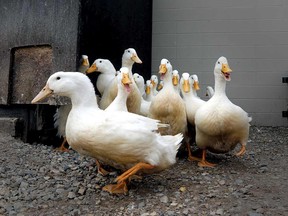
pixel 252 34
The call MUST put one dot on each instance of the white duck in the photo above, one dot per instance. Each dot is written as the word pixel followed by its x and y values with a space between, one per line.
pixel 154 81
pixel 107 70
pixel 139 80
pixel 167 105
pixel 220 124
pixel 189 85
pixel 134 99
pixel 175 80
pixel 145 104
pixel 124 88
pixel 120 139
pixel 62 112
pixel 209 91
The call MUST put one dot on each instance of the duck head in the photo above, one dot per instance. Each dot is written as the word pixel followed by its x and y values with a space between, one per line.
pixel 63 84
pixel 185 82
pixel 175 77
pixel 222 68
pixel 154 80
pixel 195 82
pixel 131 54
pixel 164 68
pixel 125 79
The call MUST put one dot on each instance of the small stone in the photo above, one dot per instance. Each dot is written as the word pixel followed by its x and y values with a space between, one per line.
pixel 81 191
pixel 222 182
pixel 141 205
pixel 220 211
pixel 71 195
pixel 164 199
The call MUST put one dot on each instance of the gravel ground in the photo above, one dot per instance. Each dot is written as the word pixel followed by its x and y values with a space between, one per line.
pixel 38 180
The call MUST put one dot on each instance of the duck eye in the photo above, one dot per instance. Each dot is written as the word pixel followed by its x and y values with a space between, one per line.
pixel 100 61
pixel 58 78
pixel 218 62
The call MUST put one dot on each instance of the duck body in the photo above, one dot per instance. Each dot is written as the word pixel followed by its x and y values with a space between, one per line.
pixel 167 106
pixel 220 124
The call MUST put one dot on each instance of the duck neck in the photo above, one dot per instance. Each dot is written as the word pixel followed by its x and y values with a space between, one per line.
pixel 168 80
pixel 127 63
pixel 220 86
pixel 121 97
pixel 84 98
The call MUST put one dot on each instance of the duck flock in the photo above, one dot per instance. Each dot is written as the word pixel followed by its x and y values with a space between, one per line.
pixel 137 126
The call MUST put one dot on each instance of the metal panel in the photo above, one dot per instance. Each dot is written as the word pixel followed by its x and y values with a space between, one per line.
pixel 30 67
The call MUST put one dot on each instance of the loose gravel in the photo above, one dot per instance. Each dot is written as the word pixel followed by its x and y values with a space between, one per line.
pixel 36 179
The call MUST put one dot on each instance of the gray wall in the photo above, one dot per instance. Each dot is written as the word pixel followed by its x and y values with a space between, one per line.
pixel 252 34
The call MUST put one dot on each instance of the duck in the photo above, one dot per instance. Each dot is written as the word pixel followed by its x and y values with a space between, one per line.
pixel 129 57
pixel 154 81
pixel 189 85
pixel 167 106
pixel 175 80
pixel 149 96
pixel 209 91
pixel 124 140
pixel 107 70
pixel 61 114
pixel 220 124
pixel 124 88
pixel 140 82
pixel 145 103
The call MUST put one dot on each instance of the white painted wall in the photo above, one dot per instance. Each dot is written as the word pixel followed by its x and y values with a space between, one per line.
pixel 252 34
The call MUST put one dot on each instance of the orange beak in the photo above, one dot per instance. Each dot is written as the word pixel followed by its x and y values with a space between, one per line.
pixel 45 92
pixel 93 68
pixel 186 86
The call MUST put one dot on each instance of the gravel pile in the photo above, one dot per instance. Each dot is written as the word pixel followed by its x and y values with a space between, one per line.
pixel 38 180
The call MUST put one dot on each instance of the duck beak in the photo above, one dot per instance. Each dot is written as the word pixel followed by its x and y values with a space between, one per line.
pixel 85 62
pixel 45 92
pixel 175 80
pixel 162 69
pixel 196 86
pixel 226 68
pixel 136 59
pixel 126 80
pixel 186 86
pixel 153 82
pixel 147 90
pixel 93 68
pixel 160 87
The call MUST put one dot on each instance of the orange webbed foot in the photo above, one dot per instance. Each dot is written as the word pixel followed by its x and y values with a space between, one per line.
pixel 242 151
pixel 203 162
pixel 119 188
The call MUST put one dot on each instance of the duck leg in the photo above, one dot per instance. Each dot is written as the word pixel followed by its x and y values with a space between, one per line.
pixel 242 150
pixel 100 169
pixel 122 180
pixel 132 171
pixel 203 162
pixel 62 148
pixel 190 157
